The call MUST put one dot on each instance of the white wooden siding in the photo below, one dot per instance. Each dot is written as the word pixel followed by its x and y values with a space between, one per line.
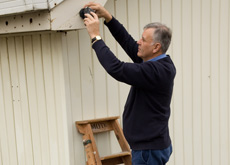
pixel 18 6
pixel 50 80
pixel 32 126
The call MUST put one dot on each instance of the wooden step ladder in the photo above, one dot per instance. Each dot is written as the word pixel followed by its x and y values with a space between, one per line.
pixel 90 127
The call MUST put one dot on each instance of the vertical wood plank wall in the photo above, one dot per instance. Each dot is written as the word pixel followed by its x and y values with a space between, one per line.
pixel 32 120
pixel 50 80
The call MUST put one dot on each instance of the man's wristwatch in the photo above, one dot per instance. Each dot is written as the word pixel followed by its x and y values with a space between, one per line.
pixel 96 39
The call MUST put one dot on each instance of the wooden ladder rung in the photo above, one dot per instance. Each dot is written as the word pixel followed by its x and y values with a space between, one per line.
pixel 98 125
pixel 98 120
pixel 114 158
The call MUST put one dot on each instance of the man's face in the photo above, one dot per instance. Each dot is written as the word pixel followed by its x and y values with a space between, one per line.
pixel 146 46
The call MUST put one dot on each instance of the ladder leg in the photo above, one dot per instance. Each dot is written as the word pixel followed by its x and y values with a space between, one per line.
pixel 122 141
pixel 127 160
pixel 120 136
pixel 91 160
pixel 89 132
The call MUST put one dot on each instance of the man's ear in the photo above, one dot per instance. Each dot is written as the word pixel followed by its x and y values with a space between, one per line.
pixel 157 48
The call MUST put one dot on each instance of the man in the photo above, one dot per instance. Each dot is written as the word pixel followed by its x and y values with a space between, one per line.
pixel 151 76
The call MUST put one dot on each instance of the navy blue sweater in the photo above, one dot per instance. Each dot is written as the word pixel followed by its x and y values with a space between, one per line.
pixel 147 109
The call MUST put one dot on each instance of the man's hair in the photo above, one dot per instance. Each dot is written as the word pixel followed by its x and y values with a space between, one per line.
pixel 162 34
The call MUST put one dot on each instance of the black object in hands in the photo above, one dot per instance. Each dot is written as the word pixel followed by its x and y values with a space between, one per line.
pixel 84 11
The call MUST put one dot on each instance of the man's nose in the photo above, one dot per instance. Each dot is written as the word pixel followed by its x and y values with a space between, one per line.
pixel 139 42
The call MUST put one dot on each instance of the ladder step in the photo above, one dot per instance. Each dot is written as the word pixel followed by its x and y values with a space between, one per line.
pixel 98 125
pixel 97 120
pixel 114 158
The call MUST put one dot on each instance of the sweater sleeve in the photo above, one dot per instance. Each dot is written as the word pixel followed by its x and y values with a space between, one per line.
pixel 126 41
pixel 142 75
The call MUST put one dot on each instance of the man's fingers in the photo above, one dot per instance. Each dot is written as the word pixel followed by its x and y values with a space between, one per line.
pixel 94 15
pixel 89 17
pixel 88 4
pixel 92 5
pixel 85 22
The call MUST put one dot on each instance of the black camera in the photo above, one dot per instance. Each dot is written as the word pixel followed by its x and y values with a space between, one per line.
pixel 84 11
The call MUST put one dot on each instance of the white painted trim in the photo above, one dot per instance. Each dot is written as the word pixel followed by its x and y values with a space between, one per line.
pixel 66 16
pixel 37 21
pixel 62 17
pixel 17 9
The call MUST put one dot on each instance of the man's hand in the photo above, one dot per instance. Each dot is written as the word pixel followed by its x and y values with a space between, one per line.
pixel 92 24
pixel 100 11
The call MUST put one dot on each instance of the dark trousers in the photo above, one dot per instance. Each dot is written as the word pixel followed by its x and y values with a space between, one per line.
pixel 151 157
